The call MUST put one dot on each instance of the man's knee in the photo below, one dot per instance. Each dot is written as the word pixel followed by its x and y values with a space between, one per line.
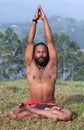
pixel 65 116
pixel 12 115
pixel 68 116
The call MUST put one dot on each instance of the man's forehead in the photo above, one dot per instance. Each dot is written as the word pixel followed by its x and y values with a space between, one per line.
pixel 40 47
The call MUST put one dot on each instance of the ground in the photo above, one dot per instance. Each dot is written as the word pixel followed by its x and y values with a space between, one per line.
pixel 68 93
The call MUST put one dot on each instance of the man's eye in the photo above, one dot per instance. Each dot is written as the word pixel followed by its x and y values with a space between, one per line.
pixel 38 52
pixel 44 52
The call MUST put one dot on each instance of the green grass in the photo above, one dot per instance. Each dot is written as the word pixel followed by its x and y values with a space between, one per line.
pixel 69 94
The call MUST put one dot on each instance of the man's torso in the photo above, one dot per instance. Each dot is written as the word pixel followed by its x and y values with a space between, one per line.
pixel 42 81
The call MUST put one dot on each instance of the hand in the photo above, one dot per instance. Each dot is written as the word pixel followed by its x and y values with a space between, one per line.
pixel 37 14
pixel 42 15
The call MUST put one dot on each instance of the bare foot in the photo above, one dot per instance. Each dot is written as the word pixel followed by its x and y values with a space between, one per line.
pixel 21 105
pixel 26 106
pixel 57 107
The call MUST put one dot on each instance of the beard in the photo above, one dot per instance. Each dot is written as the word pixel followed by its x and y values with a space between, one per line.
pixel 42 61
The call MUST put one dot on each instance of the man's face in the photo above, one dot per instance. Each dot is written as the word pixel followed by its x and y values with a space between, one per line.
pixel 41 55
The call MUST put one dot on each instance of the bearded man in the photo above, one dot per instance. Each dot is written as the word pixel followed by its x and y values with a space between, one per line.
pixel 41 65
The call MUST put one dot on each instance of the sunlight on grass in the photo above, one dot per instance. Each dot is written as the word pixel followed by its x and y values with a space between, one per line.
pixel 69 94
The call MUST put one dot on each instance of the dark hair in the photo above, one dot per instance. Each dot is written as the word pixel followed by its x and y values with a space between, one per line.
pixel 41 43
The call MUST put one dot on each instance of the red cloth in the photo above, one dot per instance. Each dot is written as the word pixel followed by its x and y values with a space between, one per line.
pixel 31 101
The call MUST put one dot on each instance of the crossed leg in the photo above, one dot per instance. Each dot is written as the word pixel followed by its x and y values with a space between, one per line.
pixel 30 112
pixel 20 113
pixel 52 113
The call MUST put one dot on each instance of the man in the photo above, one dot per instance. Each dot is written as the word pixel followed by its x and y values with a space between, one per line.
pixel 41 64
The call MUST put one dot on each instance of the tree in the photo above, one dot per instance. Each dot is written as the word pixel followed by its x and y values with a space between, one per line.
pixel 79 69
pixel 12 64
pixel 10 44
pixel 69 57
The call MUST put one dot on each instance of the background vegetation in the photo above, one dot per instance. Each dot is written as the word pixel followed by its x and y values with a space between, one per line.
pixel 12 64
pixel 68 93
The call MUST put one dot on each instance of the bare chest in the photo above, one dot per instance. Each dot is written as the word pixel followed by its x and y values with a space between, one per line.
pixel 41 74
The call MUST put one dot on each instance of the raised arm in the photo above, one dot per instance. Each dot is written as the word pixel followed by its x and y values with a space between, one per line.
pixel 30 40
pixel 49 38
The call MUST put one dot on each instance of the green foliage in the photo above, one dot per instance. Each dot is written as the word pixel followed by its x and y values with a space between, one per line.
pixel 70 58
pixel 12 55
pixel 12 49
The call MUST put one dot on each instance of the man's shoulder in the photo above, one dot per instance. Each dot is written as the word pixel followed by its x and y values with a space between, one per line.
pixel 52 62
pixel 31 65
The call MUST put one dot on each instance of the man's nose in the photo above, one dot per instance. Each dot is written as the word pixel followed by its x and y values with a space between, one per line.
pixel 41 53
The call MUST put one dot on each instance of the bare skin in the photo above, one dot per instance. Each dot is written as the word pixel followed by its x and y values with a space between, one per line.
pixel 41 79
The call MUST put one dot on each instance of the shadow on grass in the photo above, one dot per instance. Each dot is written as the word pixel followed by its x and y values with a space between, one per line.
pixel 75 99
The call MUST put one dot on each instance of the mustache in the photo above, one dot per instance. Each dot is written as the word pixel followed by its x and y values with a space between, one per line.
pixel 41 57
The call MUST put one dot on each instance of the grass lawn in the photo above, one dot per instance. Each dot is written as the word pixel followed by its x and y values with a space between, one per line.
pixel 69 94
